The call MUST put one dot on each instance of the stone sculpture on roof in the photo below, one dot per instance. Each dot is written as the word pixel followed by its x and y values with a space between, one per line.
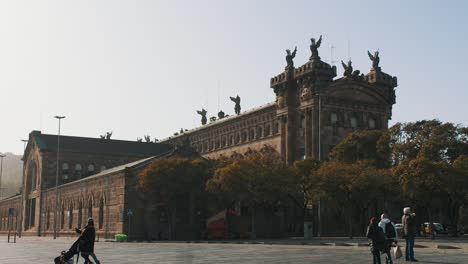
pixel 237 107
pixel 314 47
pixel 203 114
pixel 374 58
pixel 348 69
pixel 289 58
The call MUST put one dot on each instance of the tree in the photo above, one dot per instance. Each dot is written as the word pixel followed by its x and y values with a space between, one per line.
pixel 350 187
pixel 370 145
pixel 259 179
pixel 304 186
pixel 427 156
pixel 167 178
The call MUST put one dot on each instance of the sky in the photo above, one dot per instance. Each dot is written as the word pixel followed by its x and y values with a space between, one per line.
pixel 141 67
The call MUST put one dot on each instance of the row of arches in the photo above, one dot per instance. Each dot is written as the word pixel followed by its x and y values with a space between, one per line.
pixel 4 217
pixel 242 136
pixel 75 213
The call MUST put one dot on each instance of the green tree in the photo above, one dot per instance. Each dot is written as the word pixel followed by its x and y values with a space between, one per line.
pixel 427 155
pixel 259 179
pixel 349 187
pixel 164 180
pixel 304 189
pixel 370 145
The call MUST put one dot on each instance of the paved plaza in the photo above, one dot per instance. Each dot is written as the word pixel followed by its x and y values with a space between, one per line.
pixel 43 250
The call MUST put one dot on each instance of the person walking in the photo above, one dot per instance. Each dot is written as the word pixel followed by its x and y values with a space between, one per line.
pixel 377 237
pixel 86 242
pixel 409 232
pixel 389 229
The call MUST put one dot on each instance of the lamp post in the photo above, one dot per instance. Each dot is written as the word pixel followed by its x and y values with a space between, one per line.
pixel 319 207
pixel 20 224
pixel 56 176
pixel 1 170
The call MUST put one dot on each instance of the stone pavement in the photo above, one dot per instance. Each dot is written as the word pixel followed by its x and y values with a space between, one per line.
pixel 43 250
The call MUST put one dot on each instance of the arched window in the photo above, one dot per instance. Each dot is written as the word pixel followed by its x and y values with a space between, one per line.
pixel 371 123
pixel 101 213
pixel 65 171
pixel 33 177
pixel 275 128
pixel 333 119
pixel 90 169
pixel 80 214
pixel 252 134
pixel 353 123
pixel 62 218
pixel 78 171
pixel 303 121
pixel 244 136
pixel 259 132
pixel 90 208
pixel 267 130
pixel 48 219
pixel 70 217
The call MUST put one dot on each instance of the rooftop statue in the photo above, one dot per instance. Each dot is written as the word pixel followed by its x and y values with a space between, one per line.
pixel 108 135
pixel 348 69
pixel 314 47
pixel 203 114
pixel 289 58
pixel 221 114
pixel 375 59
pixel 236 100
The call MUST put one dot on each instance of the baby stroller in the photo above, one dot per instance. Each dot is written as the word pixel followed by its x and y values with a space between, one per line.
pixel 66 257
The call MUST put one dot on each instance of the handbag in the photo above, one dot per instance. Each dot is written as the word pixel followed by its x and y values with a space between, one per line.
pixel 397 252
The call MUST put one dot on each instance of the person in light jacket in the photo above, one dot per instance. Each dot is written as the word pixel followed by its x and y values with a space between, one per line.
pixel 389 229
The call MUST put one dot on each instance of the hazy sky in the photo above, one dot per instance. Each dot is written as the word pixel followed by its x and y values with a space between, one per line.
pixel 143 67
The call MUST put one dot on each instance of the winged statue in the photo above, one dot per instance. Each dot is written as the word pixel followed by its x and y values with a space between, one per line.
pixel 289 57
pixel 348 69
pixel 374 58
pixel 203 114
pixel 314 47
pixel 237 107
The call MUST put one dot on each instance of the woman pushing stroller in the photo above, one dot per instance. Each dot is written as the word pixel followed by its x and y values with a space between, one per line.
pixel 84 245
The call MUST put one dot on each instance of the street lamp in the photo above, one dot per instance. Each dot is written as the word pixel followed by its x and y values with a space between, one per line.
pixel 20 225
pixel 56 176
pixel 1 170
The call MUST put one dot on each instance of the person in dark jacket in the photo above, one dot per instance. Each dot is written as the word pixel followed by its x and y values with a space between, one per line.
pixel 377 237
pixel 409 232
pixel 86 241
pixel 389 229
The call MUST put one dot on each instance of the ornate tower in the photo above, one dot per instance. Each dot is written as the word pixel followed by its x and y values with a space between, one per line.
pixel 315 111
pixel 297 96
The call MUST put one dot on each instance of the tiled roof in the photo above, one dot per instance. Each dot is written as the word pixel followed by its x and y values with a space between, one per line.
pixel 98 146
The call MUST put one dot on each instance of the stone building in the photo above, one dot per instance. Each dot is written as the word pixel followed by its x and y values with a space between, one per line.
pixel 313 111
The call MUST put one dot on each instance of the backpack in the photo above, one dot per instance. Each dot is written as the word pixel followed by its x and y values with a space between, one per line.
pixel 380 237
pixel 390 230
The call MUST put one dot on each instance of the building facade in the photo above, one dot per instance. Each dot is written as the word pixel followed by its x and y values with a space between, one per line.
pixel 313 111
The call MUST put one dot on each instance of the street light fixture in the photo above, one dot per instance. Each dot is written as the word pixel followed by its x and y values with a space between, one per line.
pixel 20 224
pixel 56 176
pixel 1 170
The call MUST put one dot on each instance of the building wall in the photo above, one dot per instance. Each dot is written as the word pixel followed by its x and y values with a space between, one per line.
pixel 5 205
pixel 239 134
pixel 100 197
